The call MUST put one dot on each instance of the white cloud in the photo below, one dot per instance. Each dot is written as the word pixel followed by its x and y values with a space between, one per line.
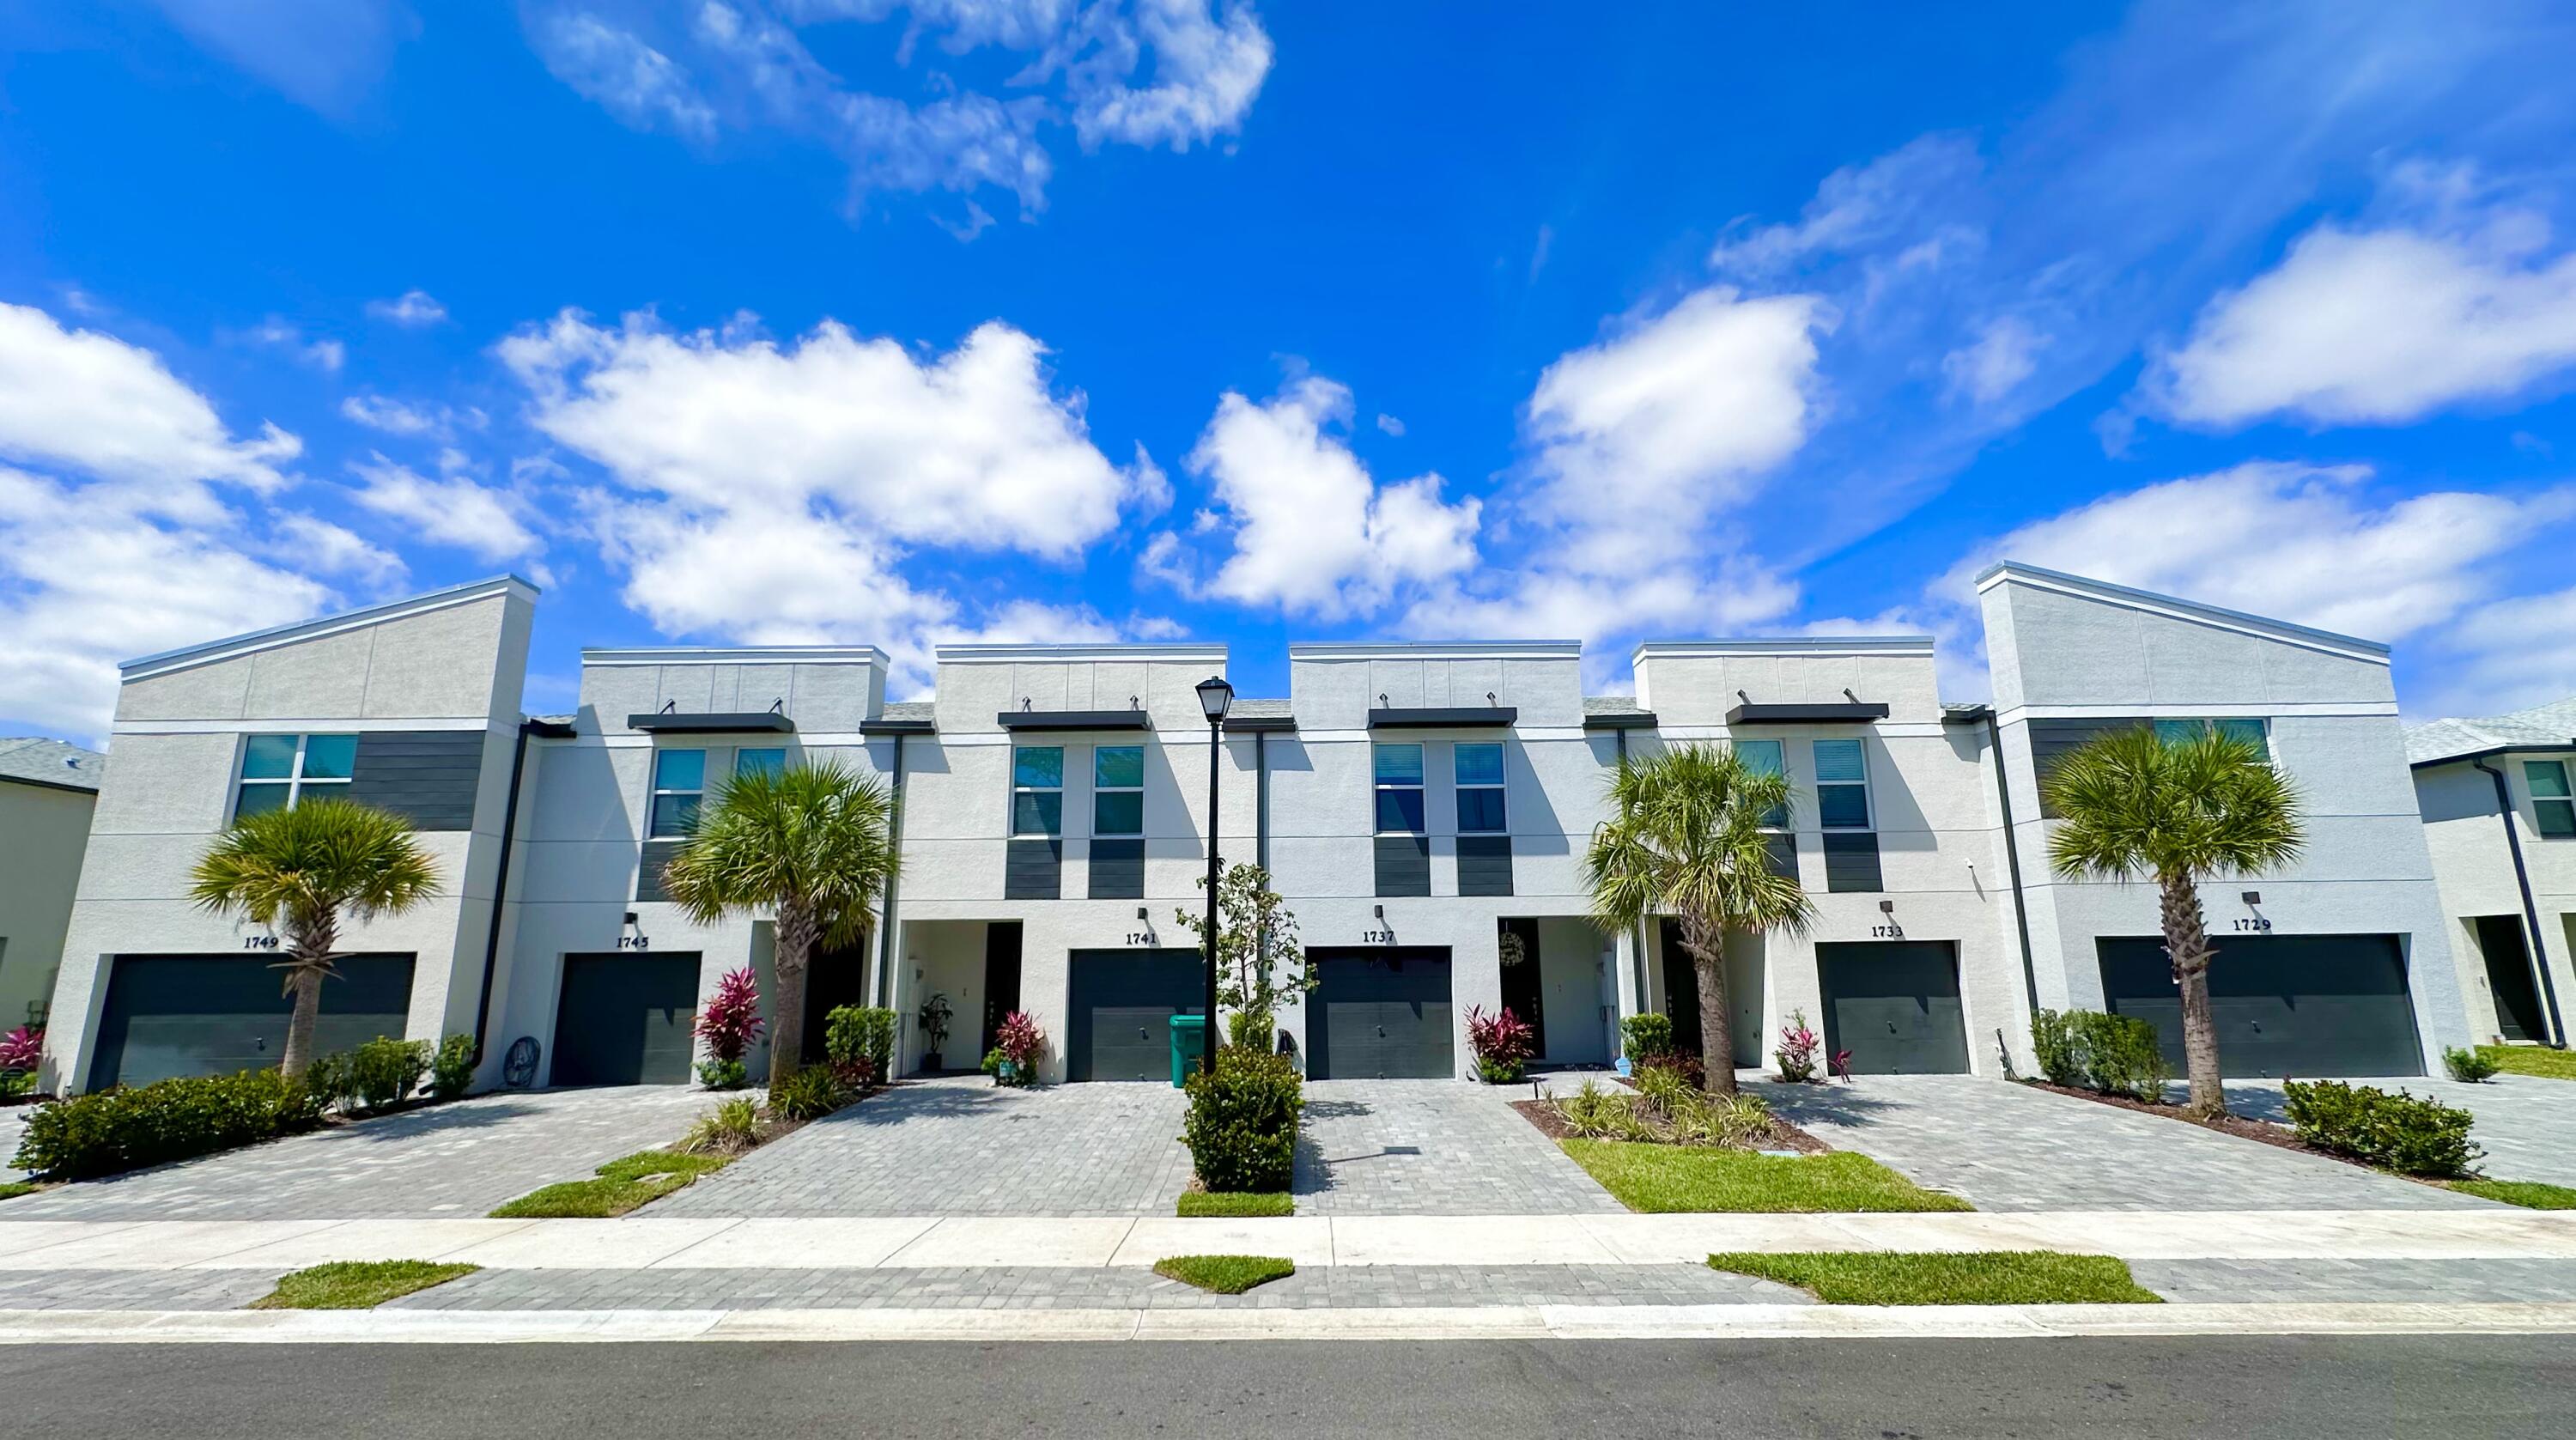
pixel 616 70
pixel 1312 532
pixel 2003 355
pixel 1858 207
pixel 2377 327
pixel 2508 655
pixel 394 417
pixel 320 354
pixel 326 54
pixel 453 510
pixel 1207 69
pixel 319 547
pixel 1389 425
pixel 411 309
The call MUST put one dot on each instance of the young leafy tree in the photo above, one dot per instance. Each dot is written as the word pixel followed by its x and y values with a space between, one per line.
pixel 2136 806
pixel 1685 839
pixel 812 844
pixel 1259 963
pixel 304 869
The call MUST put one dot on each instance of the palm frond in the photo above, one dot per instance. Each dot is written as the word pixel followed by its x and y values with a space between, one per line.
pixel 2134 806
pixel 1686 836
pixel 319 856
pixel 819 834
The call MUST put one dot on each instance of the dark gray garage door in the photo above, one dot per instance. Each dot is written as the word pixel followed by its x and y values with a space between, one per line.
pixel 1123 1004
pixel 626 1019
pixel 2286 1005
pixel 1894 1004
pixel 1380 1014
pixel 169 1015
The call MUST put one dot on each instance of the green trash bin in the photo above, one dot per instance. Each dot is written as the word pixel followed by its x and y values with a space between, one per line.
pixel 1189 1042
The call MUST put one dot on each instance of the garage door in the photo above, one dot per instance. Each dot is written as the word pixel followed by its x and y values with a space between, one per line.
pixel 1894 1005
pixel 626 1019
pixel 170 1015
pixel 1380 1014
pixel 1123 1004
pixel 2285 1005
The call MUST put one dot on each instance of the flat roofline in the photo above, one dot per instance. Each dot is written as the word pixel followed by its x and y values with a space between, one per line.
pixel 1005 654
pixel 1436 650
pixel 1784 645
pixel 1999 572
pixel 733 655
pixel 276 635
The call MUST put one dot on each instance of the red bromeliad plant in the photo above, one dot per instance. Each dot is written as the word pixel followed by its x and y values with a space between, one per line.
pixel 1797 1052
pixel 730 1020
pixel 22 1048
pixel 1019 1039
pixel 1503 1043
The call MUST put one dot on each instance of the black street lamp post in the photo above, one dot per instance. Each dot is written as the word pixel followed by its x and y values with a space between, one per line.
pixel 1215 698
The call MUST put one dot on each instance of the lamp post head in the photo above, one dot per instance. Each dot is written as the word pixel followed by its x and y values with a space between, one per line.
pixel 1215 697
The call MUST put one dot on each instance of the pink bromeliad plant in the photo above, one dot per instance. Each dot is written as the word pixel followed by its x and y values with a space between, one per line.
pixel 1798 1048
pixel 22 1048
pixel 1019 1039
pixel 729 1022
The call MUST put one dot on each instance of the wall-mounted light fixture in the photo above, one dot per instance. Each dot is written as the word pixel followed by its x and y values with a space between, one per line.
pixel 2253 897
pixel 1140 912
pixel 1381 911
pixel 1886 907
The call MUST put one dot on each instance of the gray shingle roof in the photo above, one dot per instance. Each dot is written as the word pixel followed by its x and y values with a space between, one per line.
pixel 50 762
pixel 1612 705
pixel 911 710
pixel 2553 724
pixel 1243 709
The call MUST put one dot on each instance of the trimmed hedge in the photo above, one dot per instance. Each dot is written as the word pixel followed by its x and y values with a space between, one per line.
pixel 110 1131
pixel 1644 1035
pixel 1242 1125
pixel 2397 1132
pixel 2089 1050
pixel 856 1035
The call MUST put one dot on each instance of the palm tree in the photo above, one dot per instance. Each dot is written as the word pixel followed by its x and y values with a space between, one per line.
pixel 811 843
pixel 2136 806
pixel 307 866
pixel 1687 840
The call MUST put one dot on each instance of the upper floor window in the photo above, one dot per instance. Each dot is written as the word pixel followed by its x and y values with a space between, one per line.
pixel 2252 732
pixel 679 785
pixel 1118 790
pixel 1480 789
pixel 769 761
pixel 278 770
pixel 1763 757
pixel 1399 788
pixel 2551 801
pixel 1842 785
pixel 1037 790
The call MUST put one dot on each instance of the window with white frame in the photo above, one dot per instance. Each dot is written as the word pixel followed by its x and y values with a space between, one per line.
pixel 679 787
pixel 2253 732
pixel 1398 771
pixel 1118 790
pixel 278 770
pixel 1037 790
pixel 2552 804
pixel 761 760
pixel 1763 757
pixel 1842 785
pixel 1480 789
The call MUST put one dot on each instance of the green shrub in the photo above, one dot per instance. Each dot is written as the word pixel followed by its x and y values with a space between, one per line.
pixel 333 1079
pixel 2089 1050
pixel 2468 1065
pixel 452 1070
pixel 385 1072
pixel 1242 1124
pixel 1251 1031
pixel 2053 1040
pixel 855 1034
pixel 1644 1035
pixel 2399 1132
pixel 730 1128
pixel 723 1074
pixel 116 1130
pixel 807 1094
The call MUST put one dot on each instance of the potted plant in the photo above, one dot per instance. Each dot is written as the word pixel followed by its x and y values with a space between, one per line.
pixel 934 1017
pixel 1018 1042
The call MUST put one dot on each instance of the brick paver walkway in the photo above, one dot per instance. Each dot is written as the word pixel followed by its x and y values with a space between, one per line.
pixel 2004 1146
pixel 1433 1147
pixel 459 1159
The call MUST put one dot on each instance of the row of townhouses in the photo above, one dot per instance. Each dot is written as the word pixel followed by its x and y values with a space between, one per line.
pixel 1422 807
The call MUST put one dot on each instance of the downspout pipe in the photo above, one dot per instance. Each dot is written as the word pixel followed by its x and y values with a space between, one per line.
pixel 894 882
pixel 1637 932
pixel 551 730
pixel 2012 865
pixel 2539 956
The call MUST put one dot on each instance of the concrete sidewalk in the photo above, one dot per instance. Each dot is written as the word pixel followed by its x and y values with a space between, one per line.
pixel 960 1241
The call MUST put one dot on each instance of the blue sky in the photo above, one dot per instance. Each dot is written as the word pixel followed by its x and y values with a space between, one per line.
pixel 806 320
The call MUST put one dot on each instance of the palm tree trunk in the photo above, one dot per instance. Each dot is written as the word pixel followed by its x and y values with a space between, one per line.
pixel 2187 946
pixel 310 942
pixel 796 936
pixel 1707 947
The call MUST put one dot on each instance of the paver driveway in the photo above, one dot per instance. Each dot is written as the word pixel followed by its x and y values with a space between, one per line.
pixel 1433 1147
pixel 443 1161
pixel 2003 1146
pixel 2527 1124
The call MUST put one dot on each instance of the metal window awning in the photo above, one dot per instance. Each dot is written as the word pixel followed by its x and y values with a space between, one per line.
pixel 1257 724
pixel 1622 720
pixel 1457 717
pixel 1075 720
pixel 711 722
pixel 1836 714
pixel 898 727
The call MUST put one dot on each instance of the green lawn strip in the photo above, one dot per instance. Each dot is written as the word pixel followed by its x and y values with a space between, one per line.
pixel 623 1185
pixel 1225 1274
pixel 1984 1277
pixel 356 1284
pixel 15 1188
pixel 2531 1060
pixel 1236 1205
pixel 2530 1194
pixel 1665 1179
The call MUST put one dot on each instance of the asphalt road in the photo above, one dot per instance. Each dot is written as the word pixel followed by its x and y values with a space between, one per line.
pixel 1459 1390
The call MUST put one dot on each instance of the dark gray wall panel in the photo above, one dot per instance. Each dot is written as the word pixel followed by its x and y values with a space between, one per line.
pixel 1851 860
pixel 1782 853
pixel 1034 869
pixel 429 775
pixel 1484 865
pixel 648 881
pixel 1403 865
pixel 1117 869
pixel 2050 739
